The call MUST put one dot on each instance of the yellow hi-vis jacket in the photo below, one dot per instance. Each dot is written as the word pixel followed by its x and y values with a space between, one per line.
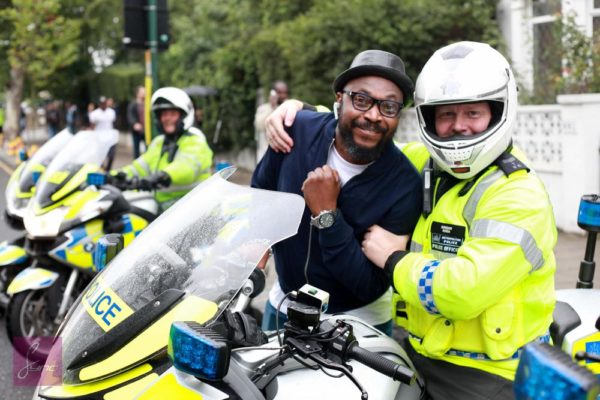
pixel 191 165
pixel 478 282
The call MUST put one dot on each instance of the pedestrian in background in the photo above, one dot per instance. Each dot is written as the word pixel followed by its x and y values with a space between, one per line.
pixel 52 118
pixel 278 94
pixel 135 119
pixel 102 119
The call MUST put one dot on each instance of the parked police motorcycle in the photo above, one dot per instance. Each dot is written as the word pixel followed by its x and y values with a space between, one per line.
pixel 63 221
pixel 574 327
pixel 204 358
pixel 195 263
pixel 18 192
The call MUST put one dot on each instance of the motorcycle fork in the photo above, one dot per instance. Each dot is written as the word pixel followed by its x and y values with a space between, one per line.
pixel 66 296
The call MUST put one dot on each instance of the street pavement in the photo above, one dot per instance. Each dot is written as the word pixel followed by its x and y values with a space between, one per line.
pixel 569 252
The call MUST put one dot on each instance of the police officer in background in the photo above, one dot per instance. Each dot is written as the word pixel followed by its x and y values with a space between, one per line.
pixel 179 158
pixel 477 281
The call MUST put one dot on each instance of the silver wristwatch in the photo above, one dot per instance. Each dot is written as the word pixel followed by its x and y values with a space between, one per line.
pixel 325 219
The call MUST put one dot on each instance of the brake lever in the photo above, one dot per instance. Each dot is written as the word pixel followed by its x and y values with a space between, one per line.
pixel 345 369
pixel 313 352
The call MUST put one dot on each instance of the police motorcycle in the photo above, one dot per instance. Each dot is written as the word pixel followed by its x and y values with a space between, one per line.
pixel 576 318
pixel 18 192
pixel 203 359
pixel 196 263
pixel 63 221
pixel 548 371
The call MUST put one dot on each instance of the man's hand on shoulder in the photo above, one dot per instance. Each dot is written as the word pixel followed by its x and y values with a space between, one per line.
pixel 277 137
pixel 321 189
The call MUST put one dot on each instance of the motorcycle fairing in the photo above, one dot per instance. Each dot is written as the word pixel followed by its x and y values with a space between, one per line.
pixel 205 246
pixel 147 344
pixel 120 387
pixel 32 279
pixel 21 185
pixel 584 337
pixel 173 384
pixel 12 254
pixel 69 169
pixel 78 249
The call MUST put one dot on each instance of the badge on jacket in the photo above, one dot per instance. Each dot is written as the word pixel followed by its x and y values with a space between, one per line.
pixel 447 238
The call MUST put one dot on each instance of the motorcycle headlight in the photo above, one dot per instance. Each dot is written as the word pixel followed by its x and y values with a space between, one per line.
pixel 45 225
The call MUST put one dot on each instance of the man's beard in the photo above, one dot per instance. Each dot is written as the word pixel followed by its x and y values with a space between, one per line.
pixel 359 154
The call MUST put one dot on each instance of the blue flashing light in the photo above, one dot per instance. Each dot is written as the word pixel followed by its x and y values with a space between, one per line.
pixel 35 176
pixel 547 373
pixel 23 155
pixel 96 179
pixel 589 212
pixel 198 350
pixel 100 255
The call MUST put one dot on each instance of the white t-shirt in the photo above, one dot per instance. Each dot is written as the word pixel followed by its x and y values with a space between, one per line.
pixel 103 119
pixel 375 313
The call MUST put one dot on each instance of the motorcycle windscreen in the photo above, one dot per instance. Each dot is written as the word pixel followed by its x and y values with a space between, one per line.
pixel 202 249
pixel 84 153
pixel 40 160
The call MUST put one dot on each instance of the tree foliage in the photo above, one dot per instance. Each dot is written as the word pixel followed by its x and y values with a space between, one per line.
pixel 237 46
pixel 580 56
pixel 241 46
pixel 42 40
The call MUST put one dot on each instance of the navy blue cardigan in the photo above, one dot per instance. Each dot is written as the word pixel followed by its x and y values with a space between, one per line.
pixel 387 193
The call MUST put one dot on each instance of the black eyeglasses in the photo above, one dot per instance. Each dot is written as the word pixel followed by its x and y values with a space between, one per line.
pixel 364 102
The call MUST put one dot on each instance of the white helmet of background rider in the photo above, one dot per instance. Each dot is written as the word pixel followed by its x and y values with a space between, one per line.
pixel 169 98
pixel 466 72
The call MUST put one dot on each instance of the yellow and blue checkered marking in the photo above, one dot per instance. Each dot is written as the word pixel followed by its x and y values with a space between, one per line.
pixel 425 288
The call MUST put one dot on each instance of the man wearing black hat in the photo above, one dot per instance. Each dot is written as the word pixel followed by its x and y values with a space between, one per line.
pixel 346 166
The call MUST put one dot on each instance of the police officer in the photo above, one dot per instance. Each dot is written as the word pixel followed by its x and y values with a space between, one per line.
pixel 478 278
pixel 179 158
pixel 477 282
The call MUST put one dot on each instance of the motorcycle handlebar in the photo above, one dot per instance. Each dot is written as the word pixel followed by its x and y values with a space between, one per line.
pixel 123 183
pixel 381 364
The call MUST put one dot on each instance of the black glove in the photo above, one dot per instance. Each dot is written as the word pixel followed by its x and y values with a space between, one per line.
pixel 120 176
pixel 155 181
pixel 118 179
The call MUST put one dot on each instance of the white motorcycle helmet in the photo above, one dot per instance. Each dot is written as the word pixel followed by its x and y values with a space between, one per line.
pixel 169 98
pixel 466 72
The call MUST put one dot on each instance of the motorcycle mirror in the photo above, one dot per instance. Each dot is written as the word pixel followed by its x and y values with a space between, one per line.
pixel 198 350
pixel 23 155
pixel 96 179
pixel 107 248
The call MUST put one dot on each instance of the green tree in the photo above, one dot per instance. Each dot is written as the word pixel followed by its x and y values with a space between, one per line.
pixel 41 42
pixel 568 61
pixel 241 46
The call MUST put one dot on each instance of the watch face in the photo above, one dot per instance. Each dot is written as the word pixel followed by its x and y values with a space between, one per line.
pixel 326 220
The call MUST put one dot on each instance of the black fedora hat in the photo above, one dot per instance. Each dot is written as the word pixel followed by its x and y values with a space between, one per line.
pixel 378 63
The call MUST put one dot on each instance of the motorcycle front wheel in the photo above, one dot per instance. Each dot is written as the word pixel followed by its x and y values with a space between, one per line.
pixel 29 325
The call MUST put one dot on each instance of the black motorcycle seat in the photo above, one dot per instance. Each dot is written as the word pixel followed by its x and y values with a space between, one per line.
pixel 565 319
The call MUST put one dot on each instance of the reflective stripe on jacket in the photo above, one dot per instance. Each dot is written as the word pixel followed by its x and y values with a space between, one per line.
pixel 191 165
pixel 479 277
